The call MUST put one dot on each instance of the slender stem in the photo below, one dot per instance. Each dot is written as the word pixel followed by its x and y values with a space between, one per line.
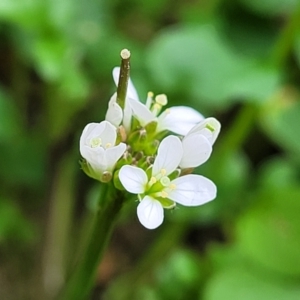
pixel 238 131
pixel 123 77
pixel 286 39
pixel 82 280
pixel 54 258
pixel 171 234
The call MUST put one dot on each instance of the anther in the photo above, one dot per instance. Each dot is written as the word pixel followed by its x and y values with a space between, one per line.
pixel 161 99
pixel 152 180
pixel 209 127
pixel 163 172
pixel 125 53
pixel 164 194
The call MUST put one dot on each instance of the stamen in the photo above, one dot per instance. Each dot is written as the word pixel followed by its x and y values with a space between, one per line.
pixel 161 99
pixel 95 142
pixel 165 181
pixel 210 127
pixel 164 194
pixel 152 180
pixel 150 94
pixel 108 145
pixel 172 186
pixel 163 172
pixel 156 108
pixel 149 99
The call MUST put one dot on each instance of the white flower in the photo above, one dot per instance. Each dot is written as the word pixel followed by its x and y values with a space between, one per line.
pixel 159 191
pixel 196 151
pixel 114 114
pixel 98 147
pixel 177 119
pixel 209 127
pixel 197 144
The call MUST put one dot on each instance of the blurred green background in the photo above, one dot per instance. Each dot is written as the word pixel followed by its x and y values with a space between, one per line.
pixel 236 60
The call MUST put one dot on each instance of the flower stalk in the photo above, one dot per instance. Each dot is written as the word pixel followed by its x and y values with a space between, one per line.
pixel 123 78
pixel 81 281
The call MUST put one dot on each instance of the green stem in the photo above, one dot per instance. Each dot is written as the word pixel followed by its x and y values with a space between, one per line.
pixel 82 280
pixel 238 131
pixel 58 232
pixel 123 77
pixel 286 39
pixel 171 234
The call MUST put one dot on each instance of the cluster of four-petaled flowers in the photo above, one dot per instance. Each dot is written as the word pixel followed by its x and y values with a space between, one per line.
pixel 150 151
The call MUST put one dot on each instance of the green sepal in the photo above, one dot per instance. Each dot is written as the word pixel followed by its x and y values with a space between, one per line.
pixel 135 124
pixel 106 176
pixel 155 188
pixel 88 170
pixel 152 147
pixel 117 182
pixel 161 135
pixel 148 172
pixel 125 160
pixel 166 203
pixel 137 140
pixel 175 174
pixel 151 127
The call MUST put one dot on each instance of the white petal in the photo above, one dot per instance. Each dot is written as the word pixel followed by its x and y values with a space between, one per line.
pixel 141 112
pixel 114 114
pixel 209 127
pixel 133 179
pixel 113 154
pixel 86 135
pixel 96 158
pixel 150 212
pixel 109 133
pixel 127 116
pixel 131 91
pixel 169 155
pixel 196 150
pixel 192 190
pixel 179 119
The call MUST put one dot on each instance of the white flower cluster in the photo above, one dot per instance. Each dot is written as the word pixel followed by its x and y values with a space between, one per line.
pixel 151 153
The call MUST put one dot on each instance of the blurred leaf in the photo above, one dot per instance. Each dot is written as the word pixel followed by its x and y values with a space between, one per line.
pixel 13 225
pixel 297 48
pixel 249 35
pixel 49 56
pixel 271 7
pixel 197 62
pixel 27 13
pixel 10 126
pixel 24 162
pixel 281 119
pixel 230 179
pixel 235 283
pixel 179 276
pixel 278 173
pixel 269 233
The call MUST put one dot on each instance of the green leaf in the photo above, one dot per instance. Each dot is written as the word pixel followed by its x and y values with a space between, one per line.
pixel 49 56
pixel 278 173
pixel 269 233
pixel 280 119
pixel 10 126
pixel 197 62
pixel 271 7
pixel 240 283
pixel 230 180
pixel 13 225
